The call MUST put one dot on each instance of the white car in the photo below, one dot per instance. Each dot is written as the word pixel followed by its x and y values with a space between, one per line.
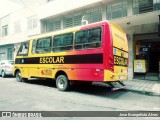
pixel 6 67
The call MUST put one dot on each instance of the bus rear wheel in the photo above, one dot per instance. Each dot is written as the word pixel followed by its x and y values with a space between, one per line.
pixel 19 77
pixel 62 83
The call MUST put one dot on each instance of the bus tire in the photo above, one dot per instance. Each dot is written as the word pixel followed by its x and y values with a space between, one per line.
pixel 3 74
pixel 19 77
pixel 62 83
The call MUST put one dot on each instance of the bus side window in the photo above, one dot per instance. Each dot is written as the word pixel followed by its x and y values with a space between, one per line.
pixel 33 46
pixel 44 45
pixel 23 50
pixel 94 38
pixel 63 42
pixel 80 39
pixel 87 39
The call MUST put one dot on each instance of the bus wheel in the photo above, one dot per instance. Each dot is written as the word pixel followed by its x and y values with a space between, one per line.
pixel 19 77
pixel 3 74
pixel 62 83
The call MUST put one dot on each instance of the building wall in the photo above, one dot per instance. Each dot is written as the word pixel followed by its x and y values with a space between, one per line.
pixel 51 9
pixel 22 15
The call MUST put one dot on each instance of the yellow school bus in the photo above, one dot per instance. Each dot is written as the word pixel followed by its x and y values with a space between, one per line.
pixel 94 52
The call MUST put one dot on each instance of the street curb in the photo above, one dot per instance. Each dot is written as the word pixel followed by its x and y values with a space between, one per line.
pixel 144 92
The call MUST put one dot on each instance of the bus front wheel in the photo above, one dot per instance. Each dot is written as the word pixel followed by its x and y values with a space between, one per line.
pixel 19 77
pixel 62 83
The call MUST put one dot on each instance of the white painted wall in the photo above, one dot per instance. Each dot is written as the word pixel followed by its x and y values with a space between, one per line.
pixel 20 15
pixel 61 6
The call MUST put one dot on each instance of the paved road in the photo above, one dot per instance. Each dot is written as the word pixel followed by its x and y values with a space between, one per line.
pixel 40 95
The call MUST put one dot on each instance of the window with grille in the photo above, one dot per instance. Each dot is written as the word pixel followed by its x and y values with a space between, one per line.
pixel 4 30
pixel 117 10
pixel 143 6
pixel 94 15
pixel 68 22
pixel 77 19
pixel 72 21
pixel 53 25
pixel 156 4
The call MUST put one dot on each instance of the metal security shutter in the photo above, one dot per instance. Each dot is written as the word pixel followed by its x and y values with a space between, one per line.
pixel 94 15
pixel 68 22
pixel 77 20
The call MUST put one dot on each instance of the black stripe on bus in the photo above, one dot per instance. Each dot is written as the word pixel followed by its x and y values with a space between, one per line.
pixel 66 59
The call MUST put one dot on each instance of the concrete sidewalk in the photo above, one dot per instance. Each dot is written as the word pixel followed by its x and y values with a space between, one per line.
pixel 144 86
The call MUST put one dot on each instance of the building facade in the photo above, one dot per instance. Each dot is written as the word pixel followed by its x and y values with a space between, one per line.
pixel 139 18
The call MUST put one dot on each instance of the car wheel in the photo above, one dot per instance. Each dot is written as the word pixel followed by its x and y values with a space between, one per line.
pixel 19 77
pixel 3 74
pixel 62 83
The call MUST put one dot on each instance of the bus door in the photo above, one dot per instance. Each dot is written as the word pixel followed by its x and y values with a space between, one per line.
pixel 21 58
pixel 41 55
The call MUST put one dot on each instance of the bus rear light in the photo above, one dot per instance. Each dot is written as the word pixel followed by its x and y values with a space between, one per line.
pixel 99 70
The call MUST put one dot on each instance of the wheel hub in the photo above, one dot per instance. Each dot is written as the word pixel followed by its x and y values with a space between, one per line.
pixel 61 83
